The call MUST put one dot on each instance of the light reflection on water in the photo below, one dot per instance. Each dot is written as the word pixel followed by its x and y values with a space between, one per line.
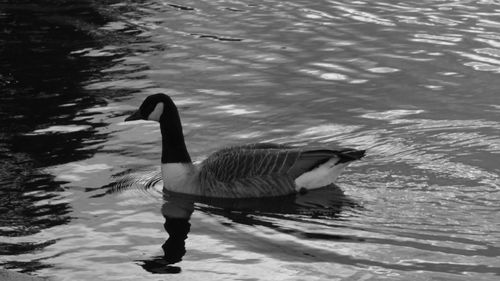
pixel 414 83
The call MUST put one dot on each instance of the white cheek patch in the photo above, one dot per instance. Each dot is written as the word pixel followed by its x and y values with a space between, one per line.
pixel 157 112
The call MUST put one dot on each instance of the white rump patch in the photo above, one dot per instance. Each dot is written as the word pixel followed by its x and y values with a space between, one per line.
pixel 157 112
pixel 321 176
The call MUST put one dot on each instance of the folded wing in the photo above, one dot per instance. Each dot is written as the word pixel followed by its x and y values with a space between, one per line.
pixel 263 168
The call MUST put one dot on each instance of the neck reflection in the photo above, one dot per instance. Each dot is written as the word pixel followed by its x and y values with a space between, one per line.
pixel 177 212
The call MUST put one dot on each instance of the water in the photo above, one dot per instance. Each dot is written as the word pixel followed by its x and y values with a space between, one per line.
pixel 414 83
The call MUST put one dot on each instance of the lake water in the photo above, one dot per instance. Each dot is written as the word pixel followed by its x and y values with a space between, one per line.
pixel 413 82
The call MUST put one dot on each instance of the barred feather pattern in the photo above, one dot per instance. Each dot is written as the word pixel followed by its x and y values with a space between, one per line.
pixel 255 170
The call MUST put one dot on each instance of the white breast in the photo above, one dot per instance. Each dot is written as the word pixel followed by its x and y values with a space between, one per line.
pixel 323 175
pixel 179 177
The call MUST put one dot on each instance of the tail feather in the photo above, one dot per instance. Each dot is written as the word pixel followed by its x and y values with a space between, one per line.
pixel 349 154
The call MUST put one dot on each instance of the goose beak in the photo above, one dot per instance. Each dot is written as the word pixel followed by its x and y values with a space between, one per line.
pixel 136 116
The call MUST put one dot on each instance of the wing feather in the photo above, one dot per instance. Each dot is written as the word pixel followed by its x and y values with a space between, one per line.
pixel 262 165
pixel 249 161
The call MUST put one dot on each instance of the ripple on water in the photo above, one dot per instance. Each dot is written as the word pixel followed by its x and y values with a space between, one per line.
pixel 391 114
pixel 62 129
pixel 436 39
pixel 364 16
pixel 233 109
pixel 383 69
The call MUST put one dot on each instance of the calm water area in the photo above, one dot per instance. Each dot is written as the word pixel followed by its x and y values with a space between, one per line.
pixel 416 83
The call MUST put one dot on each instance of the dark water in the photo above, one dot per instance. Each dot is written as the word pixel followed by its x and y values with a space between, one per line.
pixel 415 83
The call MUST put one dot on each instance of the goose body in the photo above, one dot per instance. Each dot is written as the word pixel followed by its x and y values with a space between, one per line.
pixel 246 171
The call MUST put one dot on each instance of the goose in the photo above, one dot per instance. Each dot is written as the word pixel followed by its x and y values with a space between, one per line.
pixel 244 171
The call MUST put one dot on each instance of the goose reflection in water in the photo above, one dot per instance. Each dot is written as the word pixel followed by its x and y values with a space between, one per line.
pixel 326 203
pixel 177 211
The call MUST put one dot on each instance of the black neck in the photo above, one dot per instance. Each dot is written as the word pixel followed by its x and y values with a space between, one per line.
pixel 173 146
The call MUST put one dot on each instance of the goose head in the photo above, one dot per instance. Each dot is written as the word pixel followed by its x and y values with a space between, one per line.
pixel 151 108
pixel 161 108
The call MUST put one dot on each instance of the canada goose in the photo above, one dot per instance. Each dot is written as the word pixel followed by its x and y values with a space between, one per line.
pixel 253 170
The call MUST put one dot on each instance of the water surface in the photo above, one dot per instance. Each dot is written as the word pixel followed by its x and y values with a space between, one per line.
pixel 414 83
